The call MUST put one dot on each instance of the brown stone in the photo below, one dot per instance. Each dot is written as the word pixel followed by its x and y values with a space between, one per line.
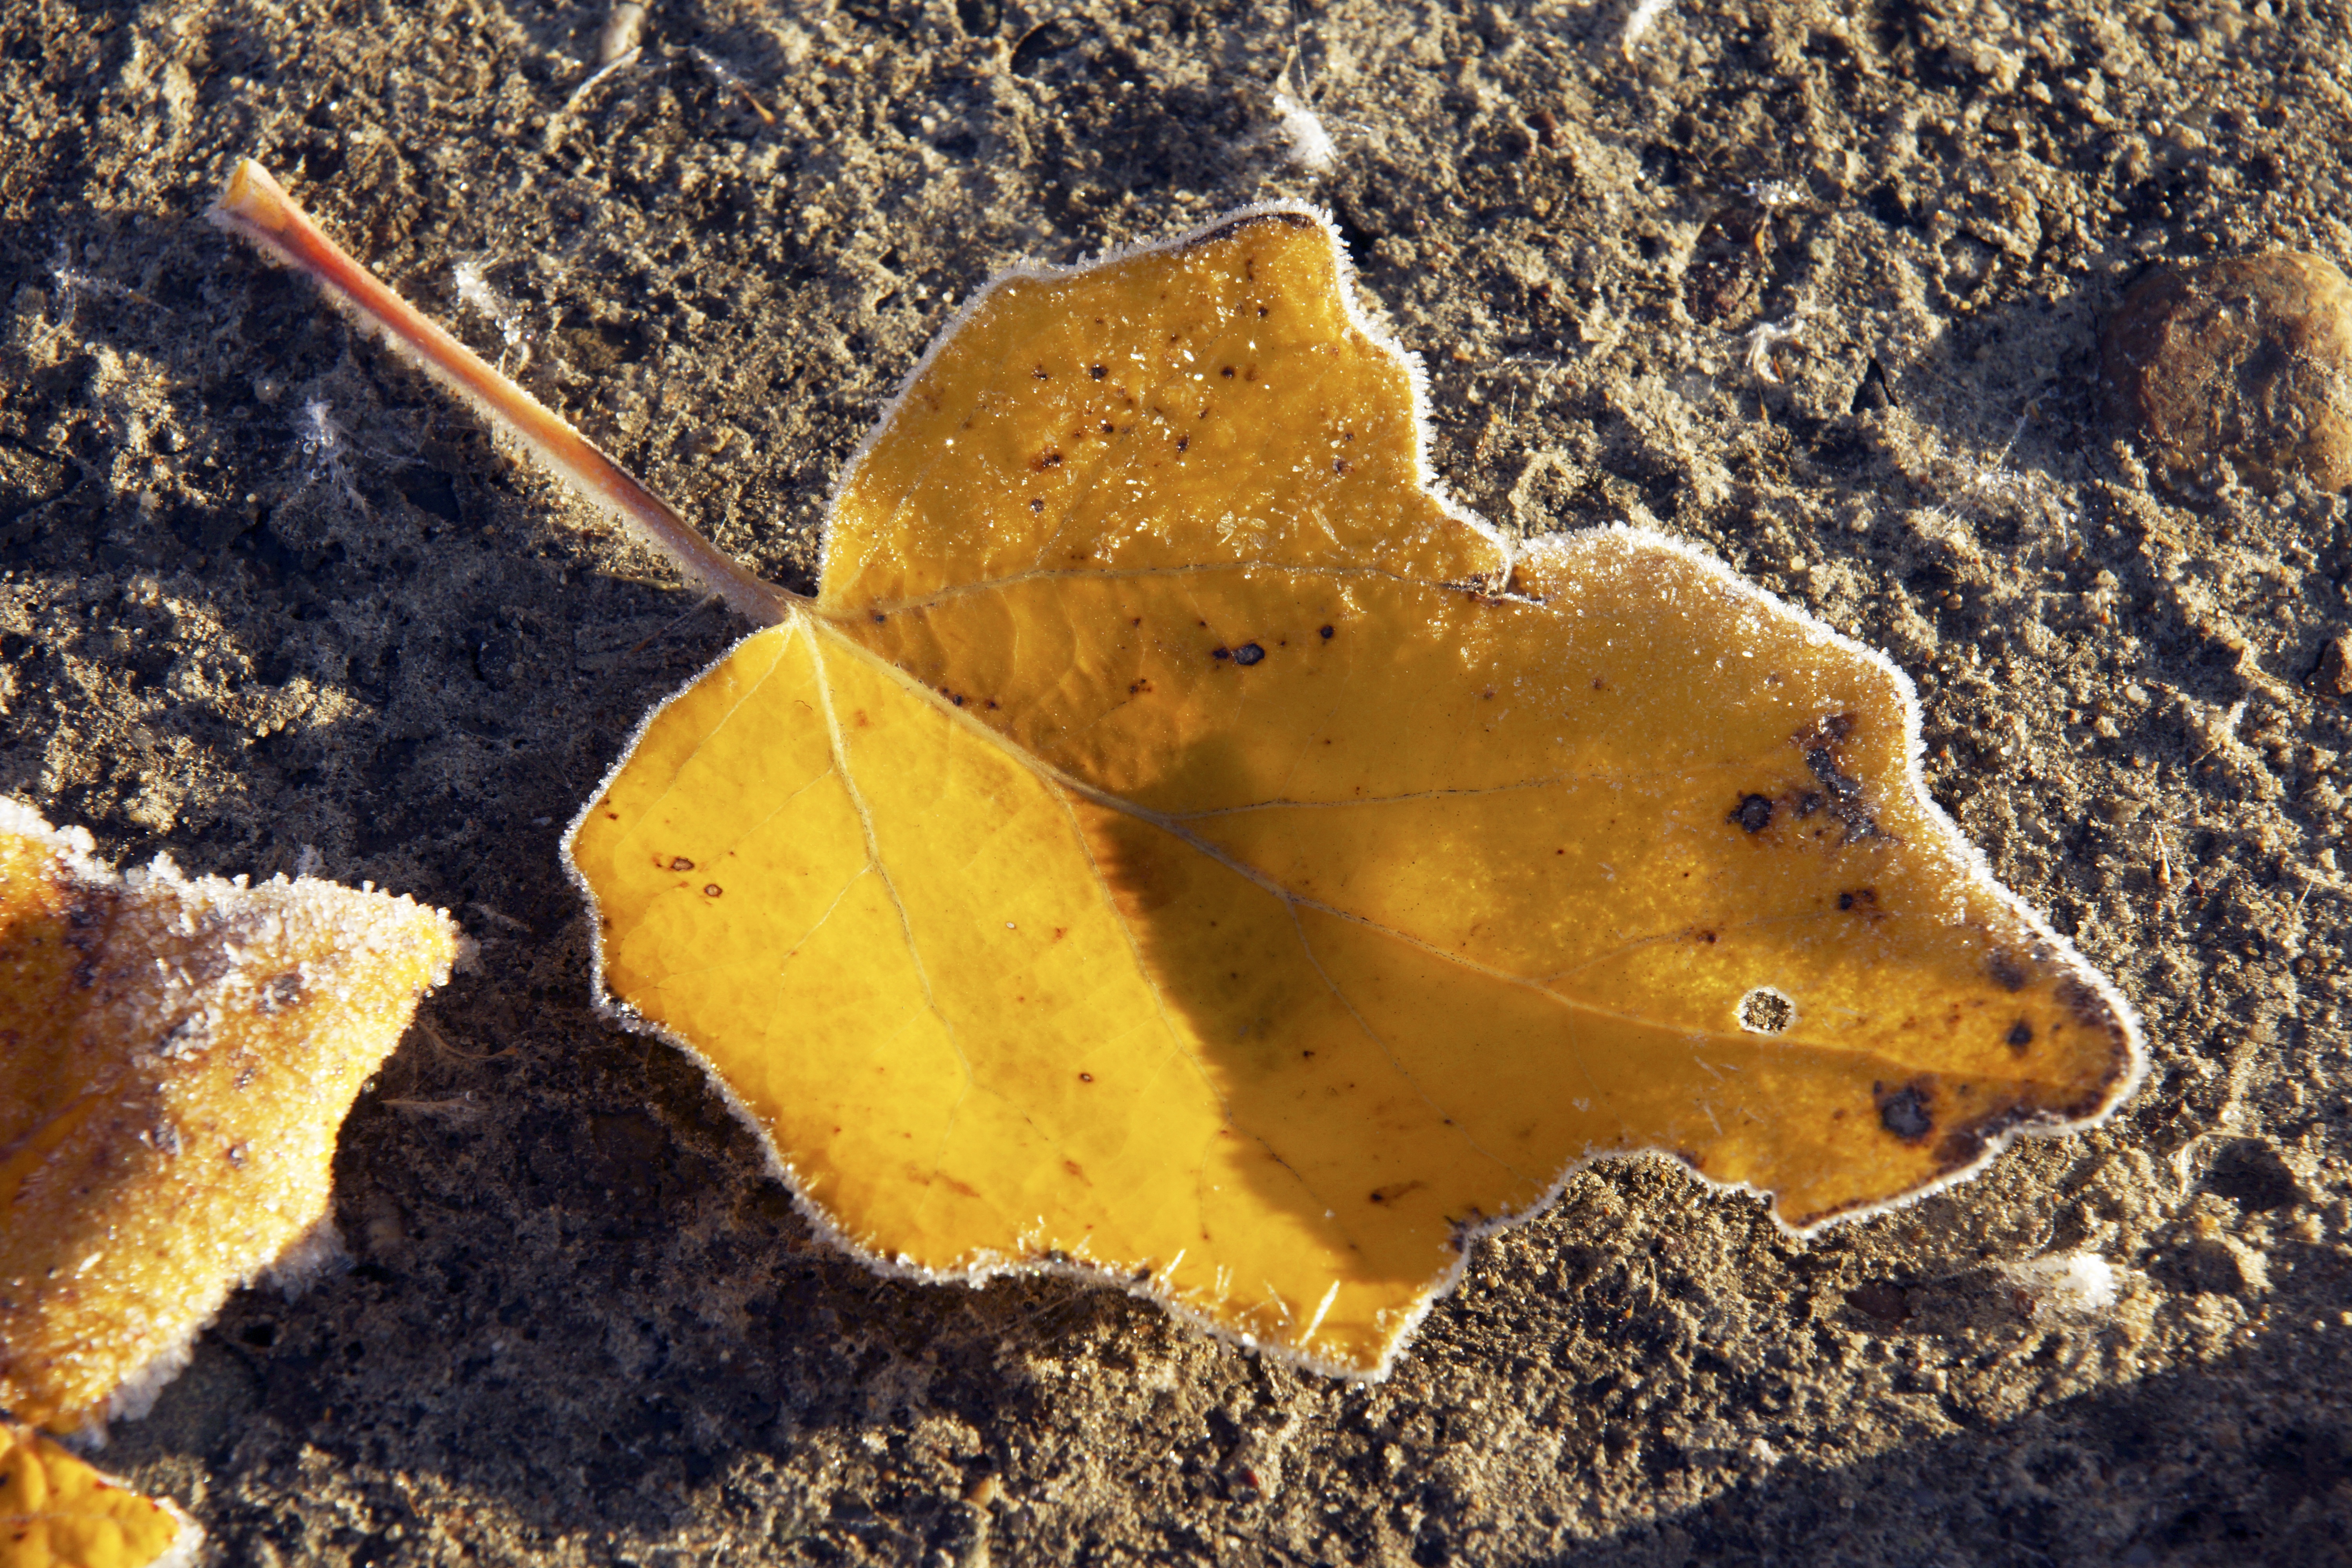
pixel 2333 676
pixel 2247 362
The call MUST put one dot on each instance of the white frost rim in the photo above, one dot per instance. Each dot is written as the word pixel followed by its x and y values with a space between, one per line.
pixel 2060 950
pixel 1417 374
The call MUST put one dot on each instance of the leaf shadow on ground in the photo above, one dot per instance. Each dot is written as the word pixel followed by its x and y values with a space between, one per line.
pixel 2252 1481
pixel 661 1340
pixel 658 1341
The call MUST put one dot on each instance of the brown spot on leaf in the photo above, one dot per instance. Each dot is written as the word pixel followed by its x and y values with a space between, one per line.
pixel 1965 1144
pixel 2089 1009
pixel 1907 1111
pixel 1823 744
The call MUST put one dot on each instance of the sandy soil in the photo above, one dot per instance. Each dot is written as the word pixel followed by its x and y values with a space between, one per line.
pixel 261 589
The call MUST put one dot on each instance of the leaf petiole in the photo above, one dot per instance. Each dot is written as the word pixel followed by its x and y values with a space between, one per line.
pixel 254 206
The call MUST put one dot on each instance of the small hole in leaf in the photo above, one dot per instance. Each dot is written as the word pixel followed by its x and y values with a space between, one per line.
pixel 1765 1011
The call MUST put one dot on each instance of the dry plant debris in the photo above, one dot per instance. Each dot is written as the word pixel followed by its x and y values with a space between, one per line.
pixel 56 1511
pixel 1176 845
pixel 176 1055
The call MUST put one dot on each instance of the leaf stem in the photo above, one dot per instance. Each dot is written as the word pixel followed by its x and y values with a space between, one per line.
pixel 257 207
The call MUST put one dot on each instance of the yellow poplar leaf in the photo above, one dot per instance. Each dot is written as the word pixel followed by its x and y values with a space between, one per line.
pixel 176 1058
pixel 56 1511
pixel 1178 845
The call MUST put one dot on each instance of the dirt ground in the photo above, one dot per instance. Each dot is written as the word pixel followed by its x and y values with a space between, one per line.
pixel 264 591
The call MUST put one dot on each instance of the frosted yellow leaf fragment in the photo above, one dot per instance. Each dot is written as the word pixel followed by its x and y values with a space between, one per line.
pixel 1178 845
pixel 175 1058
pixel 57 1512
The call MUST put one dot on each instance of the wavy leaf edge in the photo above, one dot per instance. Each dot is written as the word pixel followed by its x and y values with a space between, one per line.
pixel 1513 552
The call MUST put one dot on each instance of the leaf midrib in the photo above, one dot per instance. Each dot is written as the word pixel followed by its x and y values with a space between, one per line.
pixel 1174 826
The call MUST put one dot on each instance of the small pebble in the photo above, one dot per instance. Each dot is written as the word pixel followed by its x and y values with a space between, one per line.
pixel 2334 676
pixel 2247 362
pixel 1729 267
pixel 624 30
pixel 711 440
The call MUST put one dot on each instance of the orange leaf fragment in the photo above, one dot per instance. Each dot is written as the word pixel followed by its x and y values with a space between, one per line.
pixel 1178 845
pixel 57 1511
pixel 176 1058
